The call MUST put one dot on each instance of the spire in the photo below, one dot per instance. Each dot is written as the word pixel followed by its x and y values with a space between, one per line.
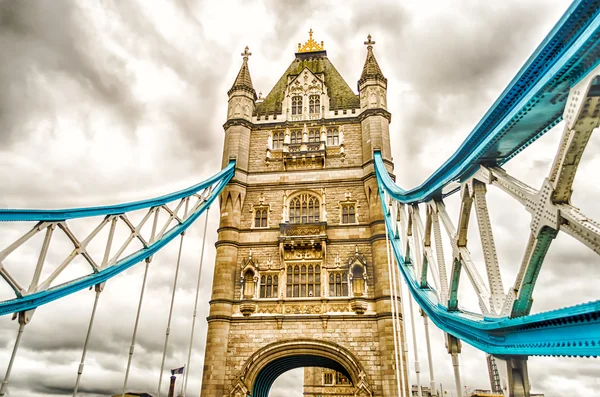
pixel 371 69
pixel 243 80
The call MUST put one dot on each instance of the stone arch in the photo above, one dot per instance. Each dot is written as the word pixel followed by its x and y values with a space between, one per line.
pixel 265 365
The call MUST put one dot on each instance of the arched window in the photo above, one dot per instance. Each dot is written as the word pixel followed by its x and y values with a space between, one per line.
pixel 269 286
pixel 358 280
pixel 260 217
pixel 278 140
pixel 314 135
pixel 348 213
pixel 338 284
pixel 303 281
pixel 304 209
pixel 333 136
pixel 296 105
pixel 296 137
pixel 314 104
pixel 249 284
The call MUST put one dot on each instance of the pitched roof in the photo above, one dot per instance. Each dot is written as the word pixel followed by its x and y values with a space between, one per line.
pixel 341 95
pixel 371 68
pixel 243 80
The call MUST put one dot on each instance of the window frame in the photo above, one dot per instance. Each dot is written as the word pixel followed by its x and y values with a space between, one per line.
pixel 277 140
pixel 314 135
pixel 338 283
pixel 314 104
pixel 348 213
pixel 296 102
pixel 295 137
pixel 261 215
pixel 302 279
pixel 269 286
pixel 304 208
pixel 333 136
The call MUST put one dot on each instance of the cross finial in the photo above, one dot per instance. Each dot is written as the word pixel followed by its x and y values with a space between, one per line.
pixel 369 43
pixel 246 53
pixel 310 32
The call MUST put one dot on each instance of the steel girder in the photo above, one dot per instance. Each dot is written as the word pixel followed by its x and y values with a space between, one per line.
pixel 182 209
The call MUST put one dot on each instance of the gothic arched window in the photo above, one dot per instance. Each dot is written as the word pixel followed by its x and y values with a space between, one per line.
pixel 313 135
pixel 269 286
pixel 338 284
pixel 278 140
pixel 260 217
pixel 348 213
pixel 304 209
pixel 303 281
pixel 249 284
pixel 296 137
pixel 314 104
pixel 333 136
pixel 296 105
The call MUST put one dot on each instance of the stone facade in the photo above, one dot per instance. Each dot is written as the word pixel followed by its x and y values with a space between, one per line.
pixel 301 273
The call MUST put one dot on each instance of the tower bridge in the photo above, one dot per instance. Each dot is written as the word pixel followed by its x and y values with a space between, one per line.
pixel 322 259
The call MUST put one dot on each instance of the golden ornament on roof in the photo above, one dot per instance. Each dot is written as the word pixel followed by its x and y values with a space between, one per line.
pixel 311 45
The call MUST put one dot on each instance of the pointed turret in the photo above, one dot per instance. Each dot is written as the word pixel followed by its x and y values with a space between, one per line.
pixel 371 69
pixel 372 88
pixel 242 101
pixel 243 80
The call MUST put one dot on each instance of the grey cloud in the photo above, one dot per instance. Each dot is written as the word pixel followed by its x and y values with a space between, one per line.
pixel 453 69
pixel 44 40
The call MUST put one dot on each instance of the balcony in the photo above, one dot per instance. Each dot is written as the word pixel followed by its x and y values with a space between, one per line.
pixel 304 155
pixel 300 237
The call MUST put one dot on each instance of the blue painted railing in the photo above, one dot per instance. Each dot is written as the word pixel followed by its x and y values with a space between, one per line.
pixel 531 104
pixel 572 331
pixel 31 301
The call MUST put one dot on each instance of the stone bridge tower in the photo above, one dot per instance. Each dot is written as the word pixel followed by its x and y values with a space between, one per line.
pixel 301 276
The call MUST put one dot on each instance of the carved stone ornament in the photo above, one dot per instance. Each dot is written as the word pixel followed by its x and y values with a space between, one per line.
pixel 247 308
pixel 239 390
pixel 358 306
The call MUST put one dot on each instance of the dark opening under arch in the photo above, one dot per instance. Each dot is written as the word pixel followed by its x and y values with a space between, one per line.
pixel 266 377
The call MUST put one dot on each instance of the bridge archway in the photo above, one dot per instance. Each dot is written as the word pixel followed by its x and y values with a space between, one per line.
pixel 265 365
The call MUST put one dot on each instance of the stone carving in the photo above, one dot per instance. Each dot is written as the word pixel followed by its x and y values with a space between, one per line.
pixel 302 309
pixel 303 254
pixel 339 308
pixel 304 231
pixel 269 309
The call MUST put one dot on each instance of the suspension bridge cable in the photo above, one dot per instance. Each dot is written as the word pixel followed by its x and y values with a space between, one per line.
pixel 429 356
pixel 87 339
pixel 22 323
pixel 99 288
pixel 397 286
pixel 139 308
pixel 168 330
pixel 187 368
pixel 394 312
pixel 417 366
pixel 399 326
pixel 135 327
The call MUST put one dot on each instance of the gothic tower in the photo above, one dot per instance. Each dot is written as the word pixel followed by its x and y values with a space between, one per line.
pixel 301 275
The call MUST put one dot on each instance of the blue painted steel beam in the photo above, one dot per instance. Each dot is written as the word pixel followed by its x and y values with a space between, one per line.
pixel 571 331
pixel 531 104
pixel 34 300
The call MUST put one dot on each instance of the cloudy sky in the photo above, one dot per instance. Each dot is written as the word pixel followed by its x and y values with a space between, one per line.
pixel 111 101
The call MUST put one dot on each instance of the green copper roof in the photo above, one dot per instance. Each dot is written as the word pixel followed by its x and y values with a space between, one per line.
pixel 340 94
